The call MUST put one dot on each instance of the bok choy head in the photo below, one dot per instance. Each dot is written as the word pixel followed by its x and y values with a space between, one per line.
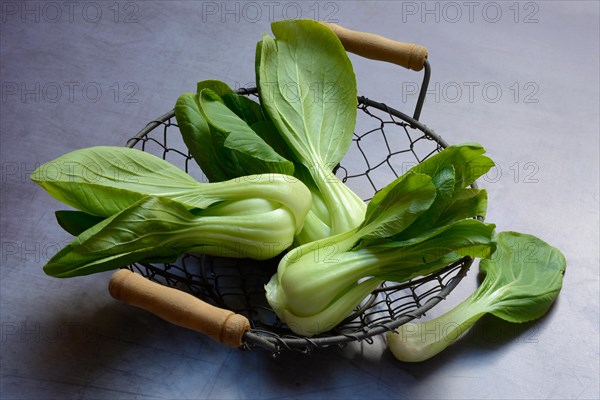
pixel 138 206
pixel 317 285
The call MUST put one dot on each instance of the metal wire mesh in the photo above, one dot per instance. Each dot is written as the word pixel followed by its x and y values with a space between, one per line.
pixel 385 145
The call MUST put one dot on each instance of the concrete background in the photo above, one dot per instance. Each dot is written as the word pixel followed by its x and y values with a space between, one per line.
pixel 522 78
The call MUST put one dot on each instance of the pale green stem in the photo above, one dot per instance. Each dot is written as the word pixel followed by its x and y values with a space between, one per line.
pixel 347 210
pixel 419 341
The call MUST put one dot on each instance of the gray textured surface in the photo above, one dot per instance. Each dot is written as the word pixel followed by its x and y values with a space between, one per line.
pixel 65 339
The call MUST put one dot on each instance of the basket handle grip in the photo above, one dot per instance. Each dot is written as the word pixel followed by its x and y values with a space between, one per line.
pixel 178 307
pixel 375 47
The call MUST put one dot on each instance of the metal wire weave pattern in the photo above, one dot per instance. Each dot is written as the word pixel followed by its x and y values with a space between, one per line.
pixel 386 144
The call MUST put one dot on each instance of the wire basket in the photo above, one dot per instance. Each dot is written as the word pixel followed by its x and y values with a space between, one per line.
pixel 386 144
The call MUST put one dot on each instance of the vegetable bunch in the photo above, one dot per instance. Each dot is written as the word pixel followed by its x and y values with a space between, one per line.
pixel 134 206
pixel 418 224
pixel 272 190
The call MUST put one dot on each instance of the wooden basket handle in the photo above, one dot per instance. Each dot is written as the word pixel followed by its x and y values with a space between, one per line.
pixel 178 307
pixel 375 47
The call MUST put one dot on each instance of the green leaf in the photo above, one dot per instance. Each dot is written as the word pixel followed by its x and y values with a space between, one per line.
pixel 257 62
pixel 219 87
pixel 245 108
pixel 158 228
pixel 525 274
pixel 75 222
pixel 308 88
pixel 65 260
pixel 467 159
pixel 268 132
pixel 436 249
pixel 198 138
pixel 452 170
pixel 396 206
pixel 209 147
pixel 104 180
pixel 445 182
pixel 522 280
pixel 466 203
pixel 252 155
pixel 150 228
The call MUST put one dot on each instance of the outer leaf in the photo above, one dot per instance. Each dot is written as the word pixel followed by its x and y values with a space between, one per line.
pixel 427 253
pixel 467 159
pixel 466 203
pixel 328 317
pixel 105 180
pixel 76 222
pixel 252 154
pixel 309 90
pixel 219 87
pixel 526 274
pixel 283 189
pixel 521 282
pixel 85 179
pixel 397 205
pixel 445 182
pixel 156 227
pixel 198 138
pixel 452 170
pixel 249 111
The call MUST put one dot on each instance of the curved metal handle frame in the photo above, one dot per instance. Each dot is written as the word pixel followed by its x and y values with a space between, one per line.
pixel 423 91
pixel 375 47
